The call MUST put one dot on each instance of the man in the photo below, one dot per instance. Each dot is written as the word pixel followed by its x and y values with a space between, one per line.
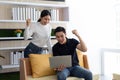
pixel 66 46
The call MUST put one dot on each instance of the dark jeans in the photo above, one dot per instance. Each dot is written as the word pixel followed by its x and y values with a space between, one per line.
pixel 32 48
pixel 75 71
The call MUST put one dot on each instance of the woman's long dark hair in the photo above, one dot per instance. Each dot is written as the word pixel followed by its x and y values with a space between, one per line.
pixel 43 14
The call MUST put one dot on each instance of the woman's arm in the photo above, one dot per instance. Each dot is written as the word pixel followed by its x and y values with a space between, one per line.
pixel 28 30
pixel 49 45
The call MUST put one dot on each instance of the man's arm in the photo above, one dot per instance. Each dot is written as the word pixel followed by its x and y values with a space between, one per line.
pixel 81 46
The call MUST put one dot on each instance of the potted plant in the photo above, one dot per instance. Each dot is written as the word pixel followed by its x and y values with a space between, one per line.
pixel 18 32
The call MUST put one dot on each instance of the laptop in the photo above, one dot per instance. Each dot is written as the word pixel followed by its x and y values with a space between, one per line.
pixel 56 61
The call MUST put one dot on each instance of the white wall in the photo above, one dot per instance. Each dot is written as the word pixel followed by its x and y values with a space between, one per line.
pixel 95 21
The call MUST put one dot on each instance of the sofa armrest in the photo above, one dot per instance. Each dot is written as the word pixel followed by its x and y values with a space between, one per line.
pixel 85 60
pixel 23 73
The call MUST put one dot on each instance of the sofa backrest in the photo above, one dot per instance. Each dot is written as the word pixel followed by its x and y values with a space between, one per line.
pixel 83 60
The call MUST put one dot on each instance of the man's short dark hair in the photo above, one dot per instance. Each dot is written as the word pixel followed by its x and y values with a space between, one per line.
pixel 60 29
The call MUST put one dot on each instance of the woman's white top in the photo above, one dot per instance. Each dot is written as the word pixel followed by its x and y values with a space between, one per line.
pixel 40 34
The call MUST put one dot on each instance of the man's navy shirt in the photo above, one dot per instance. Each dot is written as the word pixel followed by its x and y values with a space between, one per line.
pixel 69 48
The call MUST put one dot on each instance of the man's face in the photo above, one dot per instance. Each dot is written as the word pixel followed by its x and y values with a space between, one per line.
pixel 61 37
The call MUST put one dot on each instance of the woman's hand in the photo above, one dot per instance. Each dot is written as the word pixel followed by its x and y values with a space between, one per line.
pixel 60 68
pixel 28 22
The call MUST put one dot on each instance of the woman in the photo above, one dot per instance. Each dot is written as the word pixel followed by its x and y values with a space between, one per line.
pixel 40 33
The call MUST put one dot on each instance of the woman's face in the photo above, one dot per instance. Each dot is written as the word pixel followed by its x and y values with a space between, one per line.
pixel 61 37
pixel 45 20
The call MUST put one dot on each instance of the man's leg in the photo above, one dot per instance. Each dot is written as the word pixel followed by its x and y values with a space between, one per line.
pixel 62 75
pixel 80 72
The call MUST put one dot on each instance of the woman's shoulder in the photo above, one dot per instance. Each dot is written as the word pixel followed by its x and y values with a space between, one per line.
pixel 34 24
pixel 49 25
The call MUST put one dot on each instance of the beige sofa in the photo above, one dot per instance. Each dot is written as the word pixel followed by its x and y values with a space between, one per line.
pixel 116 76
pixel 26 72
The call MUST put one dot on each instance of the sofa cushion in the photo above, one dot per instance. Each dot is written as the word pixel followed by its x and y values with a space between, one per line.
pixel 53 77
pixel 40 65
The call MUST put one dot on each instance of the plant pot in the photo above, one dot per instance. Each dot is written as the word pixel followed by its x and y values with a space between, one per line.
pixel 18 34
